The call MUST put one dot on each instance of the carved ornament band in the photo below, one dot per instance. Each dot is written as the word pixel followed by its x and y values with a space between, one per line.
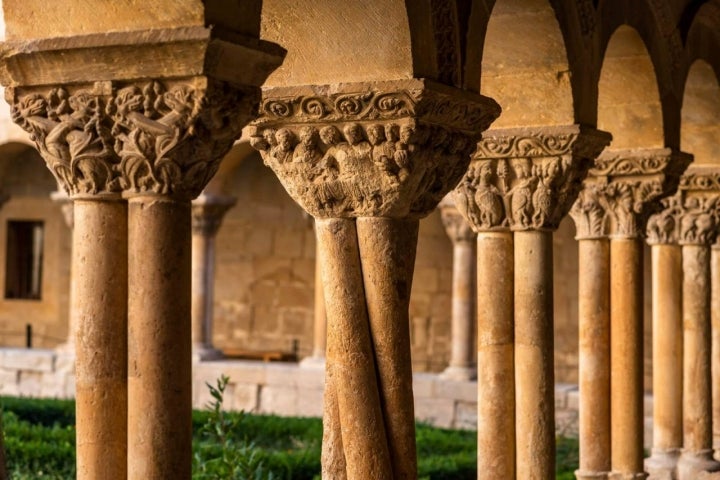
pixel 527 179
pixel 389 149
pixel 624 188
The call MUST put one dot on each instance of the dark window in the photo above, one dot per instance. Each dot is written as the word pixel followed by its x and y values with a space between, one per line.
pixel 23 270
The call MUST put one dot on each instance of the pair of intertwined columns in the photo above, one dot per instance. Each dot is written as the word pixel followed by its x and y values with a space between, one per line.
pixel 368 160
pixel 132 145
pixel 682 237
pixel 621 192
pixel 520 184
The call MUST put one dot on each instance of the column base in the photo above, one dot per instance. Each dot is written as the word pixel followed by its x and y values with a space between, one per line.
pixel 459 374
pixel 627 476
pixel 205 353
pixel 312 362
pixel 692 464
pixel 589 475
pixel 662 464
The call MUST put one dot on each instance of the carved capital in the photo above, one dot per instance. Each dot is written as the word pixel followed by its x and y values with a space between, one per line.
pixel 390 149
pixel 154 137
pixel 208 211
pixel 624 188
pixel 457 228
pixel 527 179
pixel 690 217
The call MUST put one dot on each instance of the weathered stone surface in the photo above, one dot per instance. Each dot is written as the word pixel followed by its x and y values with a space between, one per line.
pixel 30 360
pixel 527 178
pixel 403 144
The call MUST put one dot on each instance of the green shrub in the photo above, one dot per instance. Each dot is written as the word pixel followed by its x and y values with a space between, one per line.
pixel 40 443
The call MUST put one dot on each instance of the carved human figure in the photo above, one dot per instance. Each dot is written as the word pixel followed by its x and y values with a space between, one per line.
pixel 283 151
pixel 488 198
pixel 307 149
pixel 542 198
pixel 357 148
pixel 464 193
pixel 520 195
pixel 379 152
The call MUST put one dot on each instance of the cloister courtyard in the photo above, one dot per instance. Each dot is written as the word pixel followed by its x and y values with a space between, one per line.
pixel 491 215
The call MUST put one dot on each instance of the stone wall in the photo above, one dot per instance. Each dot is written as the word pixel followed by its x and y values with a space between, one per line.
pixel 265 274
pixel 29 184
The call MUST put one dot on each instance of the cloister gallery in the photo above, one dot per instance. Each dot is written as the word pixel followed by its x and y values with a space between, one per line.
pixel 535 181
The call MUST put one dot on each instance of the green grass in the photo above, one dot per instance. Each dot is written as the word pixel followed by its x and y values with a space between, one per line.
pixel 40 444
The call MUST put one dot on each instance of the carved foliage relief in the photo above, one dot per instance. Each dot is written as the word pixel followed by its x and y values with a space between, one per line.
pixel 527 180
pixel 623 189
pixel 148 137
pixel 380 152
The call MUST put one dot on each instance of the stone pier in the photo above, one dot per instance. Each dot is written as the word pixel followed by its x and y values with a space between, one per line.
pixel 520 185
pixel 367 174
pixel 207 214
pixel 131 154
pixel 622 190
pixel 462 357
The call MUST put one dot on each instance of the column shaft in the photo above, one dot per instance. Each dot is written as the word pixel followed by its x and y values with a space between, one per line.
pixel 99 311
pixel 320 322
pixel 667 358
pixel 626 345
pixel 594 358
pixel 715 361
pixel 387 253
pixel 462 358
pixel 203 273
pixel 534 374
pixel 159 387
pixel 496 372
pixel 350 364
pixel 697 394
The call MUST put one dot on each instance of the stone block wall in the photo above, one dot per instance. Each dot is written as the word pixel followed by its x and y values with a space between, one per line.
pixel 36 373
pixel 28 182
pixel 265 274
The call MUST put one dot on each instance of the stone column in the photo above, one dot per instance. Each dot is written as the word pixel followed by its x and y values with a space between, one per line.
pixel 594 337
pixel 667 342
pixel 521 180
pixel 207 214
pixel 61 198
pixel 367 171
pixel 105 136
pixel 715 335
pixel 317 359
pixel 630 186
pixel 99 261
pixel 699 196
pixel 462 358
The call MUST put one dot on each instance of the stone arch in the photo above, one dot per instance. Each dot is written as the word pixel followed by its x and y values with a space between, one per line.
pixel 576 22
pixel 524 64
pixel 655 26
pixel 232 160
pixel 23 171
pixel 629 105
pixel 703 36
pixel 700 126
